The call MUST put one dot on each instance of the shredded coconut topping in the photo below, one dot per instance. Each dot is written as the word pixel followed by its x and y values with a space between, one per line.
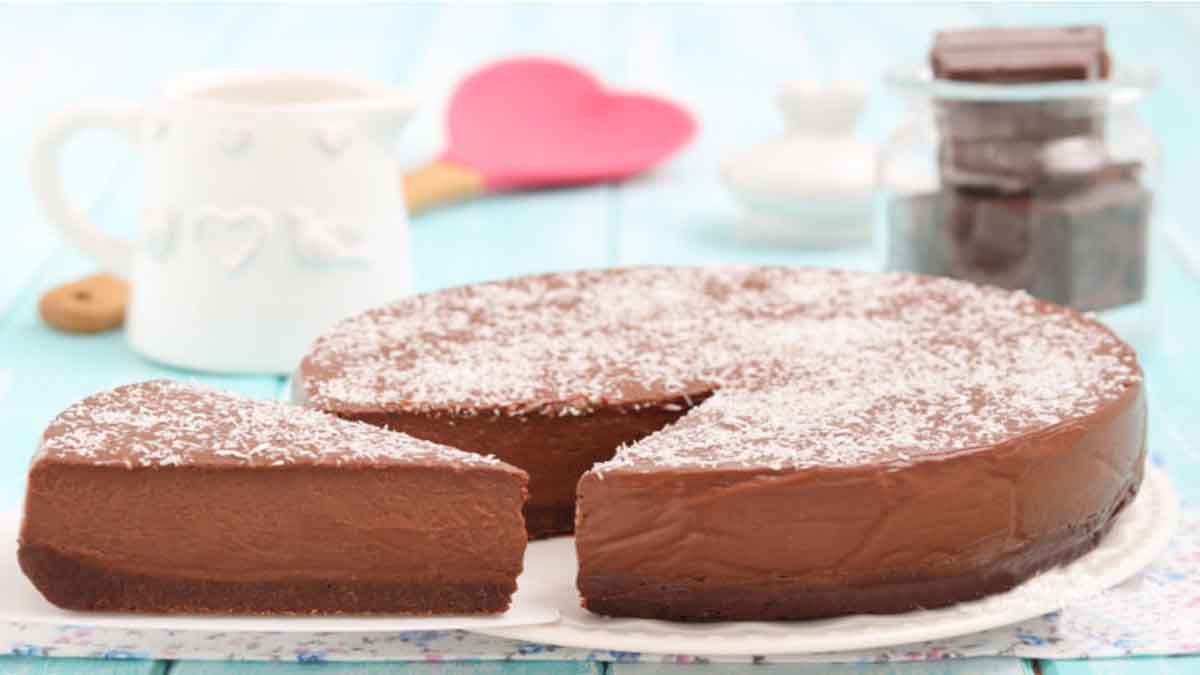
pixel 809 366
pixel 165 423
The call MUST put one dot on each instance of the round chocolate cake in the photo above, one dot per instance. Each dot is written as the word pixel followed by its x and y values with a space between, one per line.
pixel 766 443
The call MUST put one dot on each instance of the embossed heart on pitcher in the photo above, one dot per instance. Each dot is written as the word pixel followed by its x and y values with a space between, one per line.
pixel 234 141
pixel 332 139
pixel 232 237
pixel 316 239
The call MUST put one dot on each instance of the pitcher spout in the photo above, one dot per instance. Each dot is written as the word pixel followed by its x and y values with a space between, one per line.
pixel 389 113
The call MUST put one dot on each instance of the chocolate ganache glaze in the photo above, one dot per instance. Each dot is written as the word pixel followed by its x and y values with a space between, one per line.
pixel 794 443
pixel 170 497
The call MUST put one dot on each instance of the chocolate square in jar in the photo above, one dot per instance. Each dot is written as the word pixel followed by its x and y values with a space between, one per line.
pixel 1016 166
pixel 1000 146
pixel 991 239
pixel 962 120
pixel 1008 167
pixel 1104 237
pixel 1021 55
pixel 1020 65
pixel 1081 244
pixel 1094 222
pixel 1016 36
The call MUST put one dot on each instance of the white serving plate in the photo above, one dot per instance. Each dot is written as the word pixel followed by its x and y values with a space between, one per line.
pixel 21 602
pixel 1140 535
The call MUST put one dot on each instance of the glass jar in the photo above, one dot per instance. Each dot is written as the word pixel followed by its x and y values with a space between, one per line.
pixel 1043 187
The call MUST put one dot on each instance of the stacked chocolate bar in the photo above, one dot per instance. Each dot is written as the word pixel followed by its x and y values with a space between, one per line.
pixel 1030 197
pixel 1010 55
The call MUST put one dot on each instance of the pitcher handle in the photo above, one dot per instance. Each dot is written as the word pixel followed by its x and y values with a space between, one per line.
pixel 113 253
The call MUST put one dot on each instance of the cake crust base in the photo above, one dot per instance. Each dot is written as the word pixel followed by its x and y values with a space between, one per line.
pixel 72 582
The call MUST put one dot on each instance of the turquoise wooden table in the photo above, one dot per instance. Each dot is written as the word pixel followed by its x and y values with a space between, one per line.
pixel 725 63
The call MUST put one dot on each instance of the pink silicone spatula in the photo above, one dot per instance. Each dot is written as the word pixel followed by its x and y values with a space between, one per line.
pixel 534 123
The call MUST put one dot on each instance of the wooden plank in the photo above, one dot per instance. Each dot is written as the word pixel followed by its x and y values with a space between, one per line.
pixel 982 666
pixel 397 668
pixel 1180 665
pixel 29 665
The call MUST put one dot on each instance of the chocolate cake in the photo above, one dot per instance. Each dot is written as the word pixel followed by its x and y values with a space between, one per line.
pixel 169 497
pixel 795 443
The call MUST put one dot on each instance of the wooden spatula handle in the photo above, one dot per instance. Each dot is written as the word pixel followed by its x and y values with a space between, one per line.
pixel 440 183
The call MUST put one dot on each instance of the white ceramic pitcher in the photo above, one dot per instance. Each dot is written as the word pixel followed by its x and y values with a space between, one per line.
pixel 271 209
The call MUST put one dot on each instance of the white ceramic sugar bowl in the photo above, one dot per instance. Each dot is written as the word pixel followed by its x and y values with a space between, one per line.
pixel 815 184
pixel 271 208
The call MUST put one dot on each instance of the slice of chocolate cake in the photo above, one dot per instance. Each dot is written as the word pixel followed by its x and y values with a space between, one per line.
pixel 170 497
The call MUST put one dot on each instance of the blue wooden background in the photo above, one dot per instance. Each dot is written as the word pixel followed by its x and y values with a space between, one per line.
pixel 725 63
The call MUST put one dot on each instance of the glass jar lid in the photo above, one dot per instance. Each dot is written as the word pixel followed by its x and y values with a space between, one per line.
pixel 1125 85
